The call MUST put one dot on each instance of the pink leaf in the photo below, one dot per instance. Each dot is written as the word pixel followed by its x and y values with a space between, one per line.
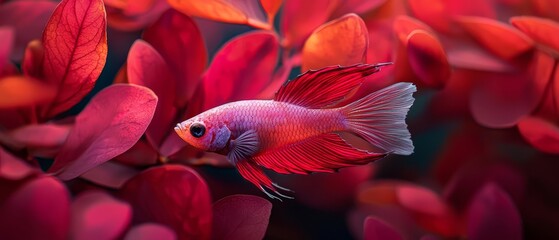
pixel 300 18
pixel 174 196
pixel 76 64
pixel 147 68
pixel 13 168
pixel 498 38
pixel 541 30
pixel 229 11
pixel 112 122
pixel 110 174
pixel 493 215
pixel 343 41
pixel 428 59
pixel 540 133
pixel 149 231
pixel 241 69
pixel 97 215
pixel 357 6
pixel 28 18
pixel 502 99
pixel 375 228
pixel 43 135
pixel 240 217
pixel 179 41
pixel 40 209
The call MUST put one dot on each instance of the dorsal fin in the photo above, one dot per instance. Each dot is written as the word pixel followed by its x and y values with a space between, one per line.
pixel 325 87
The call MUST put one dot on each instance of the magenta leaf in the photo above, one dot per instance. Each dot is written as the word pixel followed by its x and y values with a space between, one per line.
pixel 97 215
pixel 149 231
pixel 13 168
pixel 239 217
pixel 241 69
pixel 75 42
pixel 42 135
pixel 179 41
pixel 110 174
pixel 375 228
pixel 28 18
pixel 174 196
pixel 493 215
pixel 111 123
pixel 147 68
pixel 40 209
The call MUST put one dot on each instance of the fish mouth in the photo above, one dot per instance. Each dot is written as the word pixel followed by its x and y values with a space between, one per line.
pixel 180 128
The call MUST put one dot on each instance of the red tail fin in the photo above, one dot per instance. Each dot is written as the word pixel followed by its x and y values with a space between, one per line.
pixel 380 118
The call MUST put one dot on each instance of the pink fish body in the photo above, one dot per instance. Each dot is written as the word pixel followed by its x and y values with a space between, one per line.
pixel 297 131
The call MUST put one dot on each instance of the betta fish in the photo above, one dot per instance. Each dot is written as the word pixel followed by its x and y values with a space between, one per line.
pixel 299 130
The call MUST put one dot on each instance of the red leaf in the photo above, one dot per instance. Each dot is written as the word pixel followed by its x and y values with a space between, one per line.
pixel 425 206
pixel 375 228
pixel 40 209
pixel 149 231
pixel 133 15
pixel 546 8
pixel 541 30
pixel 76 64
pixel 28 18
pixel 271 7
pixel 439 13
pixel 111 123
pixel 540 133
pixel 241 69
pixel 229 11
pixel 6 43
pixel 147 68
pixel 465 183
pixel 467 56
pixel 97 215
pixel 499 38
pixel 13 168
pixel 174 196
pixel 300 18
pixel 19 91
pixel 343 41
pixel 405 25
pixel 502 99
pixel 492 215
pixel 239 217
pixel 141 154
pixel 427 59
pixel 179 41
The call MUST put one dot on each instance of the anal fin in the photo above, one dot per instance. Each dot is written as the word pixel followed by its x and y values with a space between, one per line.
pixel 323 153
pixel 254 174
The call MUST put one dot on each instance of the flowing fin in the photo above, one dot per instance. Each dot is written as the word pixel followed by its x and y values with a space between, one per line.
pixel 380 118
pixel 324 153
pixel 254 174
pixel 325 87
pixel 243 146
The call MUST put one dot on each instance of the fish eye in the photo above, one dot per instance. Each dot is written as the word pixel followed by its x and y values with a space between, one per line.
pixel 197 130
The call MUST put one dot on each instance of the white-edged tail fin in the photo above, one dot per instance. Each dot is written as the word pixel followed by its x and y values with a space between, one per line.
pixel 380 118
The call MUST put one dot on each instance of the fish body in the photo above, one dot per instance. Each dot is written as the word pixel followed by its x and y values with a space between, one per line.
pixel 277 123
pixel 297 131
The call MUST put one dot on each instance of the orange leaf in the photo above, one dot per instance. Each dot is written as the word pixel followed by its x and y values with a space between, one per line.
pixel 19 91
pixel 542 31
pixel 499 38
pixel 271 7
pixel 404 25
pixel 229 11
pixel 300 18
pixel 343 41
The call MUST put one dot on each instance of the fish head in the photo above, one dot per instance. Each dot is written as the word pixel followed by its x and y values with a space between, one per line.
pixel 204 134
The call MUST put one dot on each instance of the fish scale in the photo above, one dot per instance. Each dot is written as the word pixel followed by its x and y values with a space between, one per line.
pixel 277 123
